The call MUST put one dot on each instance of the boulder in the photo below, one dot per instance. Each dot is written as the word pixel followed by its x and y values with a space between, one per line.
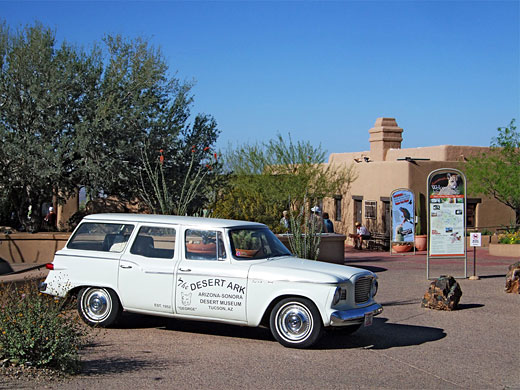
pixel 443 294
pixel 513 278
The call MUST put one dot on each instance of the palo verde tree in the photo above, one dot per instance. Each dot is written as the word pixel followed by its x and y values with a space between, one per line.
pixel 71 118
pixel 44 90
pixel 496 173
pixel 143 114
pixel 267 178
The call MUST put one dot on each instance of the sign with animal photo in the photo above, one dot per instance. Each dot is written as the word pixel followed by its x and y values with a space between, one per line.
pixel 403 215
pixel 447 213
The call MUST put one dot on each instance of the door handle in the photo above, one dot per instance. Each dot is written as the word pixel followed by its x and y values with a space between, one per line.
pixel 185 269
pixel 125 266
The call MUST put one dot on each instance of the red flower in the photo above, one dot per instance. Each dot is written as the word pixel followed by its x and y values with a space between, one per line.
pixel 215 155
pixel 206 148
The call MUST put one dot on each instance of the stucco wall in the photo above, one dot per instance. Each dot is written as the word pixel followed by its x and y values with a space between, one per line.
pixel 27 248
pixel 377 179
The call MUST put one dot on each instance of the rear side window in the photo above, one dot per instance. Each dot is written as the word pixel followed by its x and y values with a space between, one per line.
pixel 151 241
pixel 104 237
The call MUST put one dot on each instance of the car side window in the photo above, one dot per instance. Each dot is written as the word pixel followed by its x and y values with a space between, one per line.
pixel 204 245
pixel 98 236
pixel 153 241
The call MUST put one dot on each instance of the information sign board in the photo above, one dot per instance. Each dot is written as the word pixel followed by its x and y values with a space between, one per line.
pixel 403 216
pixel 447 213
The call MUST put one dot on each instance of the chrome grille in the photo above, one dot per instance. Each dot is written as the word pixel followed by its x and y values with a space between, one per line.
pixel 363 286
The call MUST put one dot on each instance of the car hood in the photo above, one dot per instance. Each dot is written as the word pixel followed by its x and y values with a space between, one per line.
pixel 300 270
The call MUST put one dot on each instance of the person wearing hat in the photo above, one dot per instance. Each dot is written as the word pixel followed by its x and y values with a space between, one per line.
pixel 50 218
pixel 362 233
pixel 316 220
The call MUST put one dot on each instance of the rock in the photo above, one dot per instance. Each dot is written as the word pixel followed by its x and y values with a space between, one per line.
pixel 443 294
pixel 513 278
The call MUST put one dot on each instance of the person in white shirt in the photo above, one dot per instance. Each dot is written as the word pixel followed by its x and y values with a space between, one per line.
pixel 361 234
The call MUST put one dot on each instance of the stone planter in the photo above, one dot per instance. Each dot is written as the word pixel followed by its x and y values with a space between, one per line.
pixel 505 250
pixel 332 247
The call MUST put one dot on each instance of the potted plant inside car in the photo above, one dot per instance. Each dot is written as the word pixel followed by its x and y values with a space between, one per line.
pixel 246 243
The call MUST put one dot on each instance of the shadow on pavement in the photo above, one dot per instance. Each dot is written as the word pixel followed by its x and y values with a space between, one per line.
pixel 140 321
pixel 465 306
pixel 371 268
pixel 416 301
pixel 216 329
pixel 382 335
pixel 492 276
pixel 97 367
pixel 5 267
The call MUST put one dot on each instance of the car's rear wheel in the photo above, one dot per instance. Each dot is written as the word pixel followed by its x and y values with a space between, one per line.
pixel 98 306
pixel 296 323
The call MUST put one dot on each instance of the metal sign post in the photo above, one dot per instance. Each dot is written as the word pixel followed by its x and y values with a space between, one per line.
pixel 475 240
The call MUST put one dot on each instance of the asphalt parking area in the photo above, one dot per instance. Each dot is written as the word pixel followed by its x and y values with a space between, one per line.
pixel 408 347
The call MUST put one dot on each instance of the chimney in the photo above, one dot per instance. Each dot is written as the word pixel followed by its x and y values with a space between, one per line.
pixel 383 136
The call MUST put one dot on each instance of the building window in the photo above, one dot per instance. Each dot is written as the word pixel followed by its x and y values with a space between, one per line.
pixel 337 208
pixel 370 209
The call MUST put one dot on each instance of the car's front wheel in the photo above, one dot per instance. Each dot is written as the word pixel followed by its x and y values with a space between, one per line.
pixel 296 323
pixel 98 306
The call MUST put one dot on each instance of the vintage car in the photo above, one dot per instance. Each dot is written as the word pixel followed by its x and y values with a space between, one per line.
pixel 206 269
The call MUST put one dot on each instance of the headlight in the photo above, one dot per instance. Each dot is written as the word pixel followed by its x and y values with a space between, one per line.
pixel 337 296
pixel 375 286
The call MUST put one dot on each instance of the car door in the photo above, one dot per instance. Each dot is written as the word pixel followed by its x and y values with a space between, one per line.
pixel 146 269
pixel 209 283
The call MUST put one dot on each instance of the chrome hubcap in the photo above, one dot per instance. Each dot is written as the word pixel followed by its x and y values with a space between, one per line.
pixel 97 304
pixel 294 322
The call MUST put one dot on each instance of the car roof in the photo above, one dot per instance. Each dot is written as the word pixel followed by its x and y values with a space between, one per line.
pixel 173 219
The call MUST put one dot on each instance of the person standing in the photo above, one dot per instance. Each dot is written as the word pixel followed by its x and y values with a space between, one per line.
pixel 285 222
pixel 315 220
pixel 327 223
pixel 50 218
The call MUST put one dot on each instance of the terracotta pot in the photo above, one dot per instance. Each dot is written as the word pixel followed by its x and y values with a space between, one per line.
pixel 421 242
pixel 246 252
pixel 202 248
pixel 402 248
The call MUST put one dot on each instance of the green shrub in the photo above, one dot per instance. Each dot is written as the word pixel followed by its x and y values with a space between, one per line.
pixel 509 238
pixel 36 329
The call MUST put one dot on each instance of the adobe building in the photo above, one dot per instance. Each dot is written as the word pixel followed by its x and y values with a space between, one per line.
pixel 386 167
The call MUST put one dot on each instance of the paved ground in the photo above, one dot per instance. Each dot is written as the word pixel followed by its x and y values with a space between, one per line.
pixel 408 347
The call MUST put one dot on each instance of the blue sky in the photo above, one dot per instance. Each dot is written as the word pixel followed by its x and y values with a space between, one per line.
pixel 448 71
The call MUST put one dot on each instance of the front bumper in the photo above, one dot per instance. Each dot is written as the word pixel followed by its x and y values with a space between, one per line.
pixel 354 316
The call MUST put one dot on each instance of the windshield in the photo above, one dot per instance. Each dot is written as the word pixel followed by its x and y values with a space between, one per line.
pixel 260 243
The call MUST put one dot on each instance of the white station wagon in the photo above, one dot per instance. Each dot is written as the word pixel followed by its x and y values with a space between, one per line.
pixel 207 269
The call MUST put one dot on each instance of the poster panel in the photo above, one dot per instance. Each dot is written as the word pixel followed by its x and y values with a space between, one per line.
pixel 447 213
pixel 403 216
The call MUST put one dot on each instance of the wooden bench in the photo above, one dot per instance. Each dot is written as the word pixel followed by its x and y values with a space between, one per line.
pixel 378 241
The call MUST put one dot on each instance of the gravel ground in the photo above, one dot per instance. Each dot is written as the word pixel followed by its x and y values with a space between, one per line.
pixel 408 347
